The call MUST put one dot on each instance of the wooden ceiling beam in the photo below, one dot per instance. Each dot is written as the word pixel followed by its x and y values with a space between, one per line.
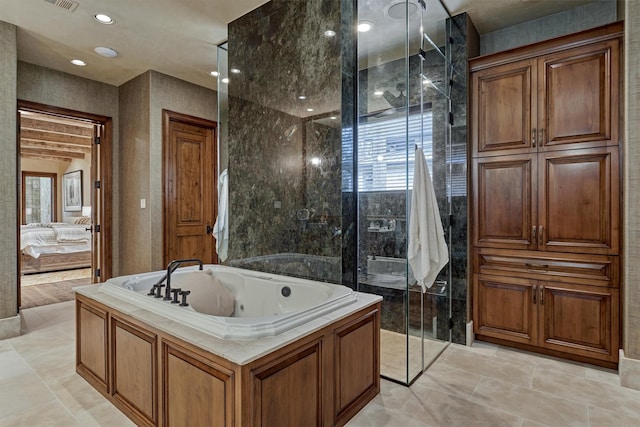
pixel 54 137
pixel 45 157
pixel 27 123
pixel 55 153
pixel 31 143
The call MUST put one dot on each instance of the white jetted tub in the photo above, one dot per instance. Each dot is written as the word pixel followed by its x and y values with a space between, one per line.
pixel 265 304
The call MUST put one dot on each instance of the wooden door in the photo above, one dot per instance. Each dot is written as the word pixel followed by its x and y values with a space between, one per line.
pixel 580 319
pixel 579 201
pixel 505 307
pixel 579 97
pixel 190 188
pixel 504 201
pixel 504 105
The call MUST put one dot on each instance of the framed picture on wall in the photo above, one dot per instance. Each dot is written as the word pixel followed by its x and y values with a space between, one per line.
pixel 72 191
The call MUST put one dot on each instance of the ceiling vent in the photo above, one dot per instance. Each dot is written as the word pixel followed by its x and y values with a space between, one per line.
pixel 68 5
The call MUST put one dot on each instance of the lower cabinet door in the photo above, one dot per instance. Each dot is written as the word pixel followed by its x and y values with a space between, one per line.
pixel 134 371
pixel 505 307
pixel 196 391
pixel 580 319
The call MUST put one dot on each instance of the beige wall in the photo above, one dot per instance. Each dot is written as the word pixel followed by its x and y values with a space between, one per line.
pixel 631 156
pixel 141 103
pixel 8 173
pixel 134 169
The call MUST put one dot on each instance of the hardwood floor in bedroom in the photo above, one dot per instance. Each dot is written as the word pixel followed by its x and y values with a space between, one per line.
pixel 50 288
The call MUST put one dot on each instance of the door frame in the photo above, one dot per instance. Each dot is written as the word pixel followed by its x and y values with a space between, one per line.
pixel 169 116
pixel 102 216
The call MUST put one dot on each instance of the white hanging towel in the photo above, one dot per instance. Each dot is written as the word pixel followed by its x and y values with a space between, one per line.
pixel 221 227
pixel 428 251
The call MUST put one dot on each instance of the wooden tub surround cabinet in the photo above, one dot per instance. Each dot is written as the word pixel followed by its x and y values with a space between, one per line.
pixel 162 373
pixel 545 184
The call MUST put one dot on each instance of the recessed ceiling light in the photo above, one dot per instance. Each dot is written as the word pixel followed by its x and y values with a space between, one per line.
pixel 302 97
pixel 364 26
pixel 225 80
pixel 329 33
pixel 378 93
pixel 107 52
pixel 78 62
pixel 333 117
pixel 214 73
pixel 235 71
pixel 309 109
pixel 103 19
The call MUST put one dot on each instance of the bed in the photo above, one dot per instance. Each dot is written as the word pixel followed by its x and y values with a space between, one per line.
pixel 54 246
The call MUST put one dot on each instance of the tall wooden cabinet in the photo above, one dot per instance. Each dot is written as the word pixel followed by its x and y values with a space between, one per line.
pixel 545 183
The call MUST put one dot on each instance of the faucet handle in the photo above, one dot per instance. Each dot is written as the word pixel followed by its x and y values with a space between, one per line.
pixel 158 287
pixel 184 298
pixel 175 295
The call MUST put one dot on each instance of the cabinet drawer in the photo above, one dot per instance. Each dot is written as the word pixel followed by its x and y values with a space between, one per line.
pixel 595 270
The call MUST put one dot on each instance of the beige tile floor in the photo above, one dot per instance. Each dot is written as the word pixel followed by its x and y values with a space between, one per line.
pixel 483 385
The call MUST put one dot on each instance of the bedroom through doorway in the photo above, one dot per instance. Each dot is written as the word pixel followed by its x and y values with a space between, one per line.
pixel 61 204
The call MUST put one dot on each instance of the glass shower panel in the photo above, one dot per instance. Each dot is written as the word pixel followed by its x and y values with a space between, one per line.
pixel 402 99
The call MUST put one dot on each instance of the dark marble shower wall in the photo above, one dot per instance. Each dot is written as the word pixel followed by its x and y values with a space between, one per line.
pixel 284 159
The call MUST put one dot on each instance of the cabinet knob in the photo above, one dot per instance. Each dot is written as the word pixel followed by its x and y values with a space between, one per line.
pixel 541 295
pixel 533 234
pixel 541 137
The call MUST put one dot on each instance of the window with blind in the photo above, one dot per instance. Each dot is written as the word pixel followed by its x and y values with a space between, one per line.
pixel 383 146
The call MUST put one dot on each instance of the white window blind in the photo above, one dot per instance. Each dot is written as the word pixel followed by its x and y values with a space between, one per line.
pixel 383 147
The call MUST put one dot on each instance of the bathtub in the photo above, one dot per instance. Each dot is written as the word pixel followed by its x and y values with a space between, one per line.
pixel 265 304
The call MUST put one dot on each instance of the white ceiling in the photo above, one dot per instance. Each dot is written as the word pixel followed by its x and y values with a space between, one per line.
pixel 179 38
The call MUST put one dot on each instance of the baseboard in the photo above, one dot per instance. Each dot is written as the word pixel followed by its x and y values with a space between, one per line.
pixel 470 335
pixel 629 371
pixel 10 327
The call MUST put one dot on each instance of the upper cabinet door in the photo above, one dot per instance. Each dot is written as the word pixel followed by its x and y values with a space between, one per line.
pixel 579 97
pixel 504 98
pixel 579 201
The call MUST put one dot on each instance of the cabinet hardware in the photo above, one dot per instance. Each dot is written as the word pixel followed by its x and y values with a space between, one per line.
pixel 533 137
pixel 541 295
pixel 533 294
pixel 540 231
pixel 533 234
pixel 537 267
pixel 541 137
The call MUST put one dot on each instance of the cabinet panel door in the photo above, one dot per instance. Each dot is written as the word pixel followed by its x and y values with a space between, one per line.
pixel 134 370
pixel 505 307
pixel 579 96
pixel 579 201
pixel 580 319
pixel 504 101
pixel 196 391
pixel 504 203
pixel 92 344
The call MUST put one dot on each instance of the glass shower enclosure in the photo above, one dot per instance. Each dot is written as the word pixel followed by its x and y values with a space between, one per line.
pixel 403 104
pixel 321 107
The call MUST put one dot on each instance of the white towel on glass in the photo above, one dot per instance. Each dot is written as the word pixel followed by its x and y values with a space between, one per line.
pixel 221 227
pixel 428 251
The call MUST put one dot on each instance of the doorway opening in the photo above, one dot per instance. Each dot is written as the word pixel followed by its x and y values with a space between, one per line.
pixel 64 203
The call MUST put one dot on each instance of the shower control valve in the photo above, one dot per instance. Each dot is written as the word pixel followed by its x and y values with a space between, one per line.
pixel 184 298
